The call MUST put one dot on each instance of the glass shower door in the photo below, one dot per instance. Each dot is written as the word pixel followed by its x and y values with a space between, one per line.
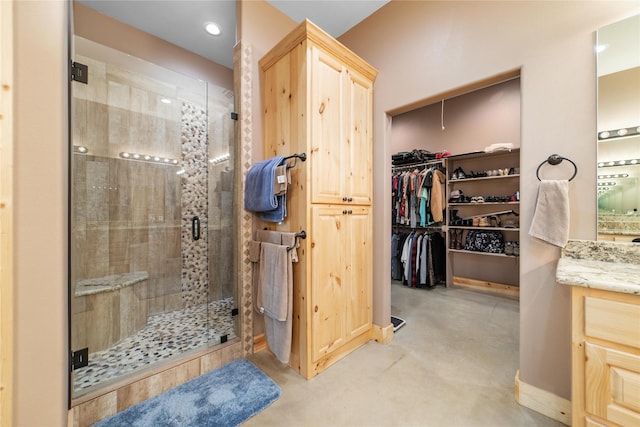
pixel 143 217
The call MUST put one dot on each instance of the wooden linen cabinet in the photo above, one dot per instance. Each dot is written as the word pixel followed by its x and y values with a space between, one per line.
pixel 317 99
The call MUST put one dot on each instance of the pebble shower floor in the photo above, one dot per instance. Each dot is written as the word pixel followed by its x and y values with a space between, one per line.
pixel 165 335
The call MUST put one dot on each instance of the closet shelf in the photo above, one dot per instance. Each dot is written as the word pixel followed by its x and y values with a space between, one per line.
pixel 483 203
pixel 483 269
pixel 462 251
pixel 428 227
pixel 463 227
pixel 484 178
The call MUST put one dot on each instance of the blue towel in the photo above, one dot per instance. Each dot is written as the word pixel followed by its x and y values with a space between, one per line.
pixel 277 214
pixel 259 192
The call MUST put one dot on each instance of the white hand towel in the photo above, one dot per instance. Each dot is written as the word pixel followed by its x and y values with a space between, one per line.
pixel 551 217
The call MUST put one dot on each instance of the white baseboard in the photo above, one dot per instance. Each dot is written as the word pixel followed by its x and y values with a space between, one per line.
pixel 542 401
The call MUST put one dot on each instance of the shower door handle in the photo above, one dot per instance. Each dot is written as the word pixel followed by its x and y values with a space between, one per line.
pixel 195 228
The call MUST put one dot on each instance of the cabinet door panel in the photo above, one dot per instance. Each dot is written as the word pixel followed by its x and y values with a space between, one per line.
pixel 358 139
pixel 613 321
pixel 358 244
pixel 326 130
pixel 612 385
pixel 327 281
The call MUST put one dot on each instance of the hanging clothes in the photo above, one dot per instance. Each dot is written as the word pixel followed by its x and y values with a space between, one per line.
pixel 418 259
pixel 418 197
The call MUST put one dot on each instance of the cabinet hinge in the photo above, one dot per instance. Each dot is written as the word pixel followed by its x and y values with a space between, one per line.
pixel 234 116
pixel 79 72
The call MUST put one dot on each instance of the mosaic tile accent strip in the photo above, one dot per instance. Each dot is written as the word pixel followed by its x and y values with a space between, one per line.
pixel 194 185
pixel 165 335
pixel 243 58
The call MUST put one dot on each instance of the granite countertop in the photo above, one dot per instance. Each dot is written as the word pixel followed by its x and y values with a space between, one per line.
pixel 610 266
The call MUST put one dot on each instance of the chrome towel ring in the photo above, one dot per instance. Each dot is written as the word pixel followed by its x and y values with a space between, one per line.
pixel 556 159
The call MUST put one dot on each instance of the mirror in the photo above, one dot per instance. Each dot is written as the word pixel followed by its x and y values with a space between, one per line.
pixel 618 64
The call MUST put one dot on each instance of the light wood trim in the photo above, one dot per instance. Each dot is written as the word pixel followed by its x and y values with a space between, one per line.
pixel 307 30
pixel 339 353
pixel 156 370
pixel 101 406
pixel 577 357
pixel 542 401
pixel 484 285
pixel 6 213
pixel 260 343
pixel 592 423
pixel 382 335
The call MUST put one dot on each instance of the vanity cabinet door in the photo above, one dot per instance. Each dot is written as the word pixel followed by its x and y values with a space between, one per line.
pixel 613 385
pixel 613 321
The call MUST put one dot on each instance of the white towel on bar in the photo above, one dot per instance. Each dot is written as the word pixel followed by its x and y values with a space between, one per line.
pixel 551 217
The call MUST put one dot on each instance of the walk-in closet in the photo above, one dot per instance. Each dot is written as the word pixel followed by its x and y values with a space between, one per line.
pixel 455 182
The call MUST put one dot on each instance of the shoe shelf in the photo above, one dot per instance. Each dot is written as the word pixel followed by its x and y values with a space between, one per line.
pixel 484 269
pixel 482 178
pixel 462 251
pixel 482 203
pixel 470 227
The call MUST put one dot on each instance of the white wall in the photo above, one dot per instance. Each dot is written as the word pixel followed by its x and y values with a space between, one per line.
pixel 426 48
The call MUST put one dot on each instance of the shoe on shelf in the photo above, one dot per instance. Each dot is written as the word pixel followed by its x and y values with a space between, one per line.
pixel 458 173
pixel 484 222
pixel 516 248
pixel 508 248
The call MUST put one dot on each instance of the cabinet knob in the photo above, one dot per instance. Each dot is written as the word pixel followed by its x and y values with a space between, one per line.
pixel 344 199
pixel 350 199
pixel 349 211
pixel 344 212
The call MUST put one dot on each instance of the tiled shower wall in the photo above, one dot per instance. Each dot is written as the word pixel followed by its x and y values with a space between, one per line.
pixel 195 278
pixel 127 214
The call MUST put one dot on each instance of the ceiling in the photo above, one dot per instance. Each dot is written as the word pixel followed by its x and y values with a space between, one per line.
pixel 181 22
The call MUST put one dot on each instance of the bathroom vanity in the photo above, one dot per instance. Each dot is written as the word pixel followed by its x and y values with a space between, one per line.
pixel 605 317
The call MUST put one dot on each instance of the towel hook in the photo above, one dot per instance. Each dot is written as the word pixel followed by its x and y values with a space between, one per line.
pixel 556 159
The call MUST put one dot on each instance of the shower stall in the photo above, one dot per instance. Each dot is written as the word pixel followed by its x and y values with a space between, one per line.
pixel 152 227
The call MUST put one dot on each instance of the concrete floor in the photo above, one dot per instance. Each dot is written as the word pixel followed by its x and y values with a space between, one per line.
pixel 452 364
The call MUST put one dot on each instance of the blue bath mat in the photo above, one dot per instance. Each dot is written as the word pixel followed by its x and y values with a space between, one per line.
pixel 224 397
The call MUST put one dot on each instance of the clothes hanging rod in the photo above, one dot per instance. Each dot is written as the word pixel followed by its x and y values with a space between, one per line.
pixel 395 168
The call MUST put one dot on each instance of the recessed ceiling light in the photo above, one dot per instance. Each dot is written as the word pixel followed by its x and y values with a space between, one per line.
pixel 212 29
